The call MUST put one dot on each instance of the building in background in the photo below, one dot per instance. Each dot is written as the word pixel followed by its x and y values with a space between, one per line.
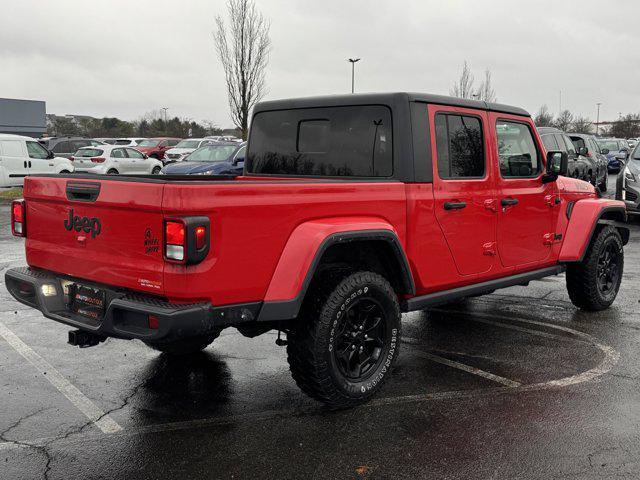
pixel 23 117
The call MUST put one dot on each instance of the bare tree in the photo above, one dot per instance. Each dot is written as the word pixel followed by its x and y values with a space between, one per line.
pixel 244 53
pixel 564 120
pixel 543 118
pixel 463 88
pixel 486 92
pixel 582 125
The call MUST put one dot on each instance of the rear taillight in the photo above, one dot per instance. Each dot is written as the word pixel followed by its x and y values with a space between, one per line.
pixel 97 159
pixel 18 218
pixel 73 159
pixel 186 240
pixel 174 240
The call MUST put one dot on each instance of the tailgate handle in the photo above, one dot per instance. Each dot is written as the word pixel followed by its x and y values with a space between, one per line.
pixel 83 191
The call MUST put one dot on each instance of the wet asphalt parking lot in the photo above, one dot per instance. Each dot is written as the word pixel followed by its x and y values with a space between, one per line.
pixel 517 384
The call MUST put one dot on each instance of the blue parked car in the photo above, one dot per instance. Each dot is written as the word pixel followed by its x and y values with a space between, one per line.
pixel 223 158
pixel 616 150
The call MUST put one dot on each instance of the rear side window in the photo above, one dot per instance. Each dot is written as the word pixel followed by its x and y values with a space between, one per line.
pixel 550 142
pixel 460 146
pixel 517 150
pixel 61 147
pixel 333 141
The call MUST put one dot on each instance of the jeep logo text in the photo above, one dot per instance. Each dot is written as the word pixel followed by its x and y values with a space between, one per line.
pixel 86 224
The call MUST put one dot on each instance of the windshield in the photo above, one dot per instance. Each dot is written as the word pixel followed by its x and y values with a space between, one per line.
pixel 610 145
pixel 212 153
pixel 88 152
pixel 188 144
pixel 149 143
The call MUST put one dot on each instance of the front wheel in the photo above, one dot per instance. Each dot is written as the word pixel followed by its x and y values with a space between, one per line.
pixel 593 284
pixel 156 171
pixel 346 340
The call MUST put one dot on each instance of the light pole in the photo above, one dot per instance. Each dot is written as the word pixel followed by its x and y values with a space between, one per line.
pixel 353 69
pixel 598 119
pixel 165 118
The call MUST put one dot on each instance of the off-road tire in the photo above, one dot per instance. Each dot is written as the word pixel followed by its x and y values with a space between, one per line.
pixel 326 318
pixel 583 282
pixel 185 346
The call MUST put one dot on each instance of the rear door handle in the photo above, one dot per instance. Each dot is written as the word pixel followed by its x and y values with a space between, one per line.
pixel 507 202
pixel 455 205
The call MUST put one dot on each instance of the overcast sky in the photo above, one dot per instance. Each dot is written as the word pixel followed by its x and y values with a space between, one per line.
pixel 127 57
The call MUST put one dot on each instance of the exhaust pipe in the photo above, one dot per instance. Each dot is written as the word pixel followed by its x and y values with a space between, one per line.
pixel 82 339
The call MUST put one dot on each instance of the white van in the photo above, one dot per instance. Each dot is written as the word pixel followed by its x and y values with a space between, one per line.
pixel 21 156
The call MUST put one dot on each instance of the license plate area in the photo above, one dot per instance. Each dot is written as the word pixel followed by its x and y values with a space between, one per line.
pixel 86 301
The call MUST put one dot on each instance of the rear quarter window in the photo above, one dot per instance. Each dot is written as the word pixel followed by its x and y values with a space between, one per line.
pixel 329 141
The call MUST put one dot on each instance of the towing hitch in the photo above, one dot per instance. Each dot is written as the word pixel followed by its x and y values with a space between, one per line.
pixel 82 339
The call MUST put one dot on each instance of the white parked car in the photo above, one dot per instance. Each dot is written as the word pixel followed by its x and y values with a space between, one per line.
pixel 21 156
pixel 114 160
pixel 185 147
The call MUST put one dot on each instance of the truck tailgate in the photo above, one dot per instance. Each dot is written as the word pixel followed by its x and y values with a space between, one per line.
pixel 107 231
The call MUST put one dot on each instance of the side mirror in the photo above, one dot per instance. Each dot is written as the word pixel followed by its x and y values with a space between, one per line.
pixel 557 165
pixel 50 154
pixel 145 156
pixel 238 161
pixel 604 151
pixel 583 151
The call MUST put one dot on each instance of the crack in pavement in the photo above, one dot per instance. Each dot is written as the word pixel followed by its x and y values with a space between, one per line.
pixel 44 445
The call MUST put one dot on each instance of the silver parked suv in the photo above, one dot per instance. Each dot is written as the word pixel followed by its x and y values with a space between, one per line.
pixel 628 184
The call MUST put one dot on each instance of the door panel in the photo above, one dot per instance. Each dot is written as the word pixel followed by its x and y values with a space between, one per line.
pixel 526 205
pixel 464 197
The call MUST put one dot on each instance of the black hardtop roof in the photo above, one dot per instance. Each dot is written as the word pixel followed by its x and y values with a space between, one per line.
pixel 384 99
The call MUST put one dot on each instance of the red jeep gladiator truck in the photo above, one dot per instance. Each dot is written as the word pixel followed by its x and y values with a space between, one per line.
pixel 351 210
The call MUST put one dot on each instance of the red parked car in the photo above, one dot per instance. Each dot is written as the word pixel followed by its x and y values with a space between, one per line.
pixel 351 210
pixel 155 147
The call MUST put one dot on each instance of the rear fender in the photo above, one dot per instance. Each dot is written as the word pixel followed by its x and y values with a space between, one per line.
pixel 585 217
pixel 303 252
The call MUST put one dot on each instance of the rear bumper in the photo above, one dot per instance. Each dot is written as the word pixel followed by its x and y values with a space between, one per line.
pixel 126 313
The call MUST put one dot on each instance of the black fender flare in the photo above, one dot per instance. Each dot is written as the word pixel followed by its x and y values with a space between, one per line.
pixel 289 309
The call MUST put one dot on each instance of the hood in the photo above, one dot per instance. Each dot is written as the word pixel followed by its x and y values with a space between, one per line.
pixel 573 185
pixel 192 168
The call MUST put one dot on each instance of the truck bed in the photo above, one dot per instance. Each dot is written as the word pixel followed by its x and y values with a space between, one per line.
pixel 251 220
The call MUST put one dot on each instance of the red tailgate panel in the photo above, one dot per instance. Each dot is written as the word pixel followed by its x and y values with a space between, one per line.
pixel 127 252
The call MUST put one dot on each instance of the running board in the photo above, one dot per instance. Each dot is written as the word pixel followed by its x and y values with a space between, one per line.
pixel 446 296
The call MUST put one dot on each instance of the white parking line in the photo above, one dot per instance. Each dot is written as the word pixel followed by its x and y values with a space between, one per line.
pixel 101 420
pixel 469 369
